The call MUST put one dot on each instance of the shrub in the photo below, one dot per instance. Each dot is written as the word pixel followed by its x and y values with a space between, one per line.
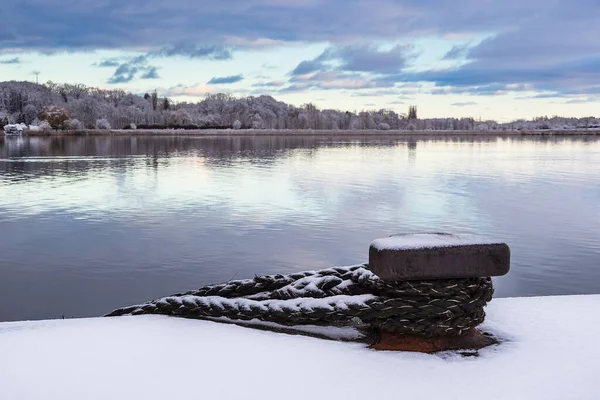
pixel 74 125
pixel 56 116
pixel 102 124
pixel 45 126
pixel 237 124
pixel 383 126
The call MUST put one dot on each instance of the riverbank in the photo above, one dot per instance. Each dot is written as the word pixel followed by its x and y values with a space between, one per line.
pixel 547 352
pixel 320 133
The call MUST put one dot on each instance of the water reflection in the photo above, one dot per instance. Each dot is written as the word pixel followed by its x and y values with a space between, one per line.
pixel 92 223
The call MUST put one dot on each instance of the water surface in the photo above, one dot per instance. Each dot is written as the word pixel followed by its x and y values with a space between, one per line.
pixel 88 224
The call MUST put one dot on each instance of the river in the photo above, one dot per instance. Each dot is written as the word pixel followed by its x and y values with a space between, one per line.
pixel 89 224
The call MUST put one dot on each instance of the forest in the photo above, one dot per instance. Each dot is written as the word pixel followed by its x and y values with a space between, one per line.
pixel 53 106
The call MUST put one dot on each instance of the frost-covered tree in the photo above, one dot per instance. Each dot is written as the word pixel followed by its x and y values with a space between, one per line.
pixel 56 116
pixel 120 109
pixel 44 126
pixel 74 125
pixel 102 124
pixel 29 114
pixel 237 124
pixel 412 112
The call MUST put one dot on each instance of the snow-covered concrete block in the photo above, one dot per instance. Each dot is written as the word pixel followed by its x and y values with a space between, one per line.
pixel 437 256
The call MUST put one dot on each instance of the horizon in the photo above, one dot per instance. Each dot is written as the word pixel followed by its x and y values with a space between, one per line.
pixel 499 61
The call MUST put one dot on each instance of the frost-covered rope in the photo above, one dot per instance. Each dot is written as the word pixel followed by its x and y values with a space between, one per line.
pixel 425 308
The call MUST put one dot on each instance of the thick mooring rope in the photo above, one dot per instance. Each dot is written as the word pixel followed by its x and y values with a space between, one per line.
pixel 424 308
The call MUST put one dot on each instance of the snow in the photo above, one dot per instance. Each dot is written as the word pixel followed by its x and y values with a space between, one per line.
pixel 428 240
pixel 15 128
pixel 549 352
pixel 330 303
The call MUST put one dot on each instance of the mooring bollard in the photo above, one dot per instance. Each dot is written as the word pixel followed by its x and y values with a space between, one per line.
pixel 451 275
pixel 421 292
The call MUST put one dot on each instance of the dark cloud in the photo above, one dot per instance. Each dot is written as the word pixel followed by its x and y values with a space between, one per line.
pixel 151 73
pixel 485 77
pixel 457 52
pixel 544 45
pixel 15 60
pixel 108 62
pixel 358 58
pixel 350 67
pixel 308 66
pixel 368 58
pixel 128 71
pixel 226 80
pixel 211 52
pixel 116 24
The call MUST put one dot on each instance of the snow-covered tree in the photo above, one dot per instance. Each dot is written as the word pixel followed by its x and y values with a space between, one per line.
pixel 56 116
pixel 45 126
pixel 74 125
pixel 102 124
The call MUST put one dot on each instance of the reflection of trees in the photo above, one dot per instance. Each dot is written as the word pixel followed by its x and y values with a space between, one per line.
pixel 216 150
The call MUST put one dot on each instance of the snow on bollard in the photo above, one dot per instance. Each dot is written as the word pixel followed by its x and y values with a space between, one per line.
pixel 437 256
pixel 459 267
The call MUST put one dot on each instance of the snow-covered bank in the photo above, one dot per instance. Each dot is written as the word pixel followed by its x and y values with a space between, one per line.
pixel 549 352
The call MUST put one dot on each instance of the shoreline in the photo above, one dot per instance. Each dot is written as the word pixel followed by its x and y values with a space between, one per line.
pixel 313 133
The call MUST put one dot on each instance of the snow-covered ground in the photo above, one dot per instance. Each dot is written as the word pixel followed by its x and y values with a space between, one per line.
pixel 550 351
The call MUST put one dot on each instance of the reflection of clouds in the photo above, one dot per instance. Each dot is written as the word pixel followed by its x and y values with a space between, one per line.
pixel 383 180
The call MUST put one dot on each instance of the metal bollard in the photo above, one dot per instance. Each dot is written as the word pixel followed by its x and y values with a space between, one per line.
pixel 436 256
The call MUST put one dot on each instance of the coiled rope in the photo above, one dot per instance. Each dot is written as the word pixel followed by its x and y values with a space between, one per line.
pixel 424 308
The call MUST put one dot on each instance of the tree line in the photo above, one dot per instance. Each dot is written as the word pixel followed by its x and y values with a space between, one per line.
pixel 76 107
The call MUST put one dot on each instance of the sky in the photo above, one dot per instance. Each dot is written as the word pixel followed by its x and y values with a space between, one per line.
pixel 486 59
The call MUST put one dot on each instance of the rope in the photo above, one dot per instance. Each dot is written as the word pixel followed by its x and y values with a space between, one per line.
pixel 424 308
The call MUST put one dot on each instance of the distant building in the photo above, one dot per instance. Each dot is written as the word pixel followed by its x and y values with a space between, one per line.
pixel 14 129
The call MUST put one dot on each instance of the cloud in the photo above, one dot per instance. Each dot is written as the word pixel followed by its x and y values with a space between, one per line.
pixel 210 52
pixel 378 93
pixel 9 61
pixel 549 45
pixel 225 80
pixel 269 84
pixel 84 25
pixel 129 70
pixel 463 104
pixel 368 58
pixel 579 101
pixel 334 80
pixel 457 52
pixel 199 89
pixel 306 67
pixel 352 67
pixel 358 58
pixel 151 73
pixel 108 62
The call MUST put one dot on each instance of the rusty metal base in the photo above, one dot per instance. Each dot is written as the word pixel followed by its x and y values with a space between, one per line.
pixel 470 340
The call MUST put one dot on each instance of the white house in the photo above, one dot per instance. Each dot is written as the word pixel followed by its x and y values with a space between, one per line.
pixel 14 129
